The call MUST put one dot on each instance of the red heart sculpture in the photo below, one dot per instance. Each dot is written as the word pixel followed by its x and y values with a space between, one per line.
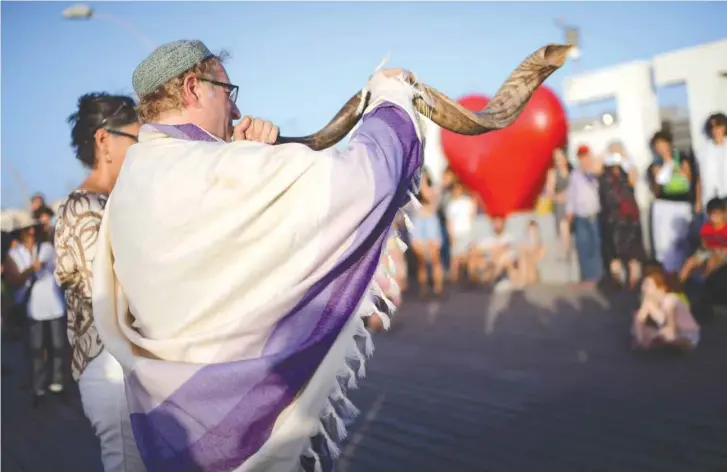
pixel 508 167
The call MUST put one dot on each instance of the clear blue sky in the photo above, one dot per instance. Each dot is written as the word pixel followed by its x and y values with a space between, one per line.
pixel 297 63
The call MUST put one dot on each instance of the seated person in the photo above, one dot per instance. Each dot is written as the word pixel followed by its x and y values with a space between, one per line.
pixel 493 256
pixel 530 253
pixel 664 318
pixel 461 211
pixel 713 251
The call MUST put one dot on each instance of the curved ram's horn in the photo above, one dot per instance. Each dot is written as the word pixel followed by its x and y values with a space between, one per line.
pixel 501 111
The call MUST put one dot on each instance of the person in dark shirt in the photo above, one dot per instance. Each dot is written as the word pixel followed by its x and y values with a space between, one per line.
pixel 675 183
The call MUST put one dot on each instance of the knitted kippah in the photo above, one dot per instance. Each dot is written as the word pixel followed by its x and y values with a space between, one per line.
pixel 166 62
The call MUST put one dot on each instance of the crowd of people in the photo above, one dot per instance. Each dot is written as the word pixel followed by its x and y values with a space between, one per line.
pixel 448 249
pixel 598 220
pixel 46 264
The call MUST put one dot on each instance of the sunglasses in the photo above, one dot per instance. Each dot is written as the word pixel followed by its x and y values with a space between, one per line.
pixel 116 132
pixel 229 88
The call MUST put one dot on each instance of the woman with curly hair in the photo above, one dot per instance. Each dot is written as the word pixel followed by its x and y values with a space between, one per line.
pixel 103 128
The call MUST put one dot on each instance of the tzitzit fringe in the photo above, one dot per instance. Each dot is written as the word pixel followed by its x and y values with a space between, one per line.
pixel 338 411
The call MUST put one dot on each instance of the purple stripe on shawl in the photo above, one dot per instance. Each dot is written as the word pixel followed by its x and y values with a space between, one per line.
pixel 187 132
pixel 268 384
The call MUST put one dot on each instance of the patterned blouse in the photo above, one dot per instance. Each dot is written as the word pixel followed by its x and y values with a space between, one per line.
pixel 78 221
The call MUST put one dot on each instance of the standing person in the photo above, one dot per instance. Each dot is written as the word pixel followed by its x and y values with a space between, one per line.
pixel 461 211
pixel 36 292
pixel 675 185
pixel 713 159
pixel 582 208
pixel 231 276
pixel 621 232
pixel 45 218
pixel 427 236
pixel 448 180
pixel 103 128
pixel 9 329
pixel 5 295
pixel 556 186
pixel 37 201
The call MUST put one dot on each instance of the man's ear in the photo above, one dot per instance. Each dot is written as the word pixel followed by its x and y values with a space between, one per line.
pixel 191 90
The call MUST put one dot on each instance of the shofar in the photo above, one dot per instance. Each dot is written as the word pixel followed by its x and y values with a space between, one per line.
pixel 501 111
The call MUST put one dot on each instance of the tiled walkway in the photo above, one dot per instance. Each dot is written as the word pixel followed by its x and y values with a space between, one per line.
pixel 532 381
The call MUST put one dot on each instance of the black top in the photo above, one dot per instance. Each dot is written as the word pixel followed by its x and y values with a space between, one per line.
pixel 691 195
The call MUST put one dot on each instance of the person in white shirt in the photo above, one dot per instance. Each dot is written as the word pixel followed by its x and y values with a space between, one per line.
pixel 495 255
pixel 34 286
pixel 713 159
pixel 460 212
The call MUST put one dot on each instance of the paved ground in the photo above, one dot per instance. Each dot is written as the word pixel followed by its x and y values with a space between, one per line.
pixel 537 381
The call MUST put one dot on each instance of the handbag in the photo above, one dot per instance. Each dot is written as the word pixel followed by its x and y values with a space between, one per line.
pixel 544 205
pixel 628 209
pixel 678 183
pixel 18 313
pixel 627 206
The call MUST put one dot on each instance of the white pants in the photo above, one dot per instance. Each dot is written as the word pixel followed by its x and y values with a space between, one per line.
pixel 670 229
pixel 104 403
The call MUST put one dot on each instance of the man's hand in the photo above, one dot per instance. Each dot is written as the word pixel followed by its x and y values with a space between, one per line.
pixel 38 265
pixel 255 129
pixel 388 73
pixel 394 72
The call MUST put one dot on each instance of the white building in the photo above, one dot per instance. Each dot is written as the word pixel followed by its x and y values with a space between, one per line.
pixel 702 69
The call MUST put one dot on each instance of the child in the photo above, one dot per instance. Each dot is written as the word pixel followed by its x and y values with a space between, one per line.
pixel 530 254
pixel 664 305
pixel 461 212
pixel 713 252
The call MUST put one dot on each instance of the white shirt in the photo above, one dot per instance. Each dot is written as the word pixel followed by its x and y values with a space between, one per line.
pixel 713 172
pixel 503 240
pixel 460 212
pixel 46 299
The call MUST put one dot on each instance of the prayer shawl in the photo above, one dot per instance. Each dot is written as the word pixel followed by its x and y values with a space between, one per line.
pixel 231 280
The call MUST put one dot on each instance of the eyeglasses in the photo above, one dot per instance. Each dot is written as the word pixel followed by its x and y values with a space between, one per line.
pixel 121 133
pixel 104 124
pixel 230 88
